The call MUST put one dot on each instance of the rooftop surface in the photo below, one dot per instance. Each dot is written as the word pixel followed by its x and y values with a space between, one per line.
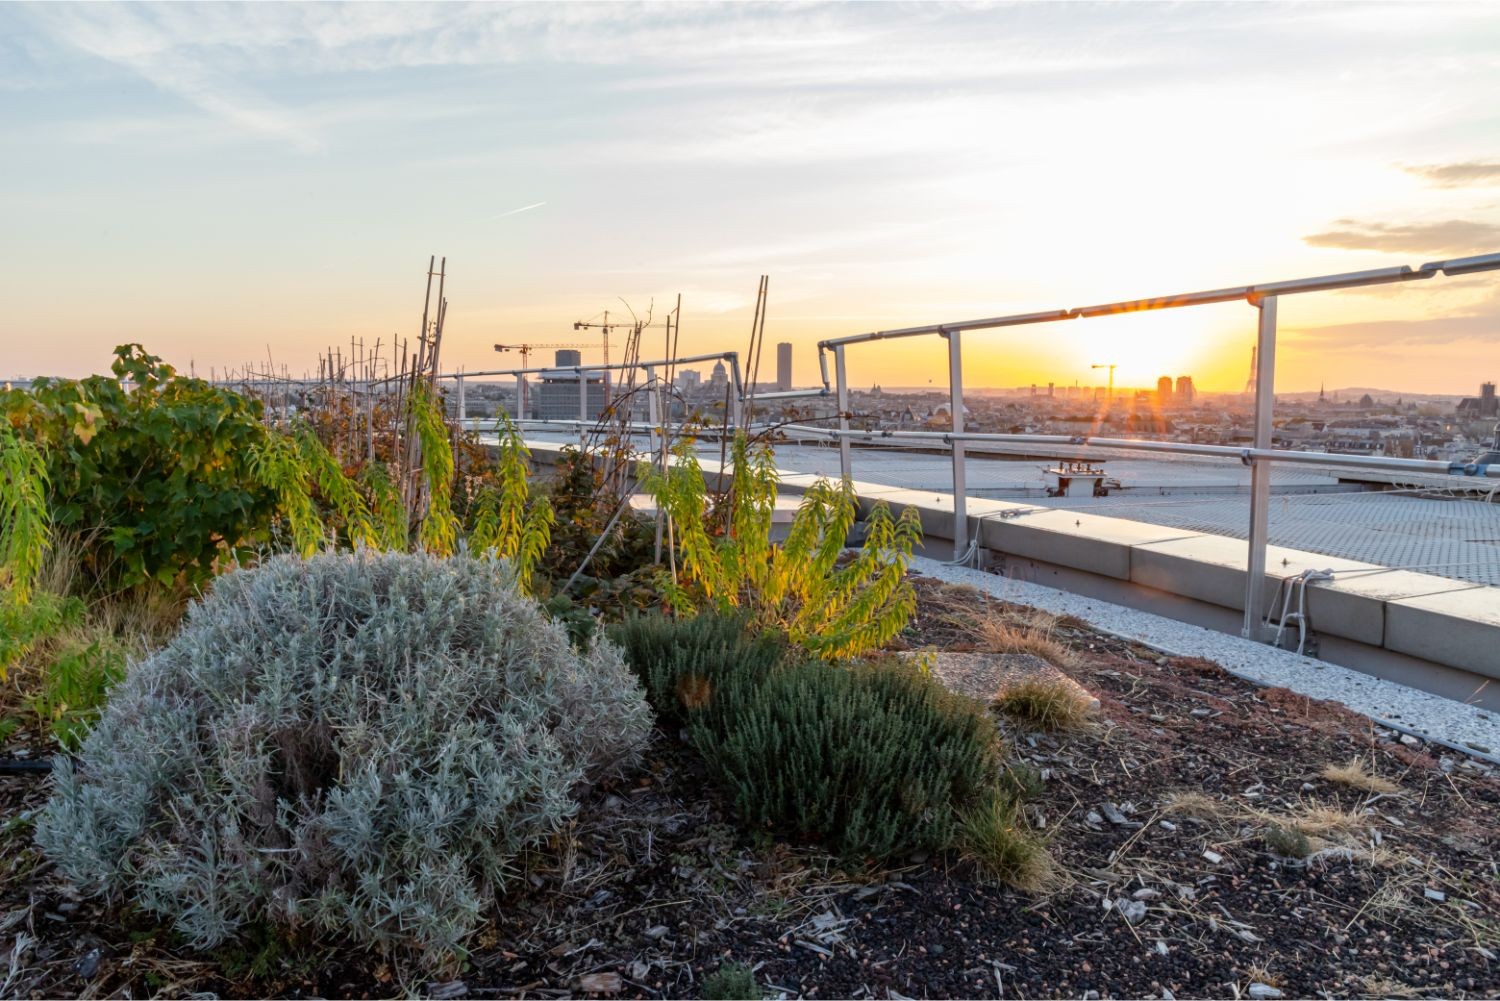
pixel 1312 509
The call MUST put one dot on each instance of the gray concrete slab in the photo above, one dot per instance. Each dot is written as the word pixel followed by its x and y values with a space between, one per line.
pixel 1453 627
pixel 1082 541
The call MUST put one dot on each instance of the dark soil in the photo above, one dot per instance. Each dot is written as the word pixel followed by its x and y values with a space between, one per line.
pixel 656 886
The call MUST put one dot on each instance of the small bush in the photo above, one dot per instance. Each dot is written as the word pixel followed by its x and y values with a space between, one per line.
pixel 355 743
pixel 872 759
pixel 798 586
pixel 74 686
pixel 688 665
pixel 996 834
pixel 1046 704
pixel 731 982
pixel 1288 843
pixel 152 468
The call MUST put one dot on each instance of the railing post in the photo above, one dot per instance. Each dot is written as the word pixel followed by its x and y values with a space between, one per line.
pixel 583 407
pixel 1260 469
pixel 463 406
pixel 653 410
pixel 520 398
pixel 956 403
pixel 846 461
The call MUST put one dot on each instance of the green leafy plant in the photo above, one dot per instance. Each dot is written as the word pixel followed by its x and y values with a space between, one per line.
pixel 151 469
pixel 340 494
pixel 438 532
pixel 391 521
pixel 25 624
pixel 74 687
pixel 797 586
pixel 276 463
pixel 507 522
pixel 25 529
pixel 301 471
pixel 731 982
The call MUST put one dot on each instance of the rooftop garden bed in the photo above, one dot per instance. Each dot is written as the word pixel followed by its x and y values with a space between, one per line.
pixel 427 728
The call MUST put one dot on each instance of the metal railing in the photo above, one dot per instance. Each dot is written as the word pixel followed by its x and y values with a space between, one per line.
pixel 1259 457
pixel 736 395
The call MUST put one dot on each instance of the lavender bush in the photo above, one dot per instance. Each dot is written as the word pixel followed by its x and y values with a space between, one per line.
pixel 355 743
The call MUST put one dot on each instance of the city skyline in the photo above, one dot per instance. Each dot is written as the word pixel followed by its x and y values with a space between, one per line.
pixel 220 183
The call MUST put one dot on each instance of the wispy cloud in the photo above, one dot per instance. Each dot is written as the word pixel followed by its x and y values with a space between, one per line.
pixel 148 42
pixel 1452 236
pixel 1469 173
pixel 1455 322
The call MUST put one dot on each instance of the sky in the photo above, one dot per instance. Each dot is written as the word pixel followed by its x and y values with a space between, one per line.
pixel 230 183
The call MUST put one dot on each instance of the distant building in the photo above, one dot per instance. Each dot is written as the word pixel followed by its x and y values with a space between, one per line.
pixel 719 378
pixel 688 379
pixel 1185 391
pixel 783 366
pixel 559 396
pixel 1484 405
pixel 1164 391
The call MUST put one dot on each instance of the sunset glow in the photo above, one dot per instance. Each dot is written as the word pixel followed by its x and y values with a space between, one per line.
pixel 225 182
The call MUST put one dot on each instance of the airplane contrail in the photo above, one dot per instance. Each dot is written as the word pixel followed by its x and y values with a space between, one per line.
pixel 523 208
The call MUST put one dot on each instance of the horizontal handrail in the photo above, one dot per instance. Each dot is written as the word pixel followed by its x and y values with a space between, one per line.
pixel 1250 293
pixel 1149 445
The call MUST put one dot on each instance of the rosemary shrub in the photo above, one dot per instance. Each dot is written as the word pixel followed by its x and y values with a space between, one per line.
pixel 871 759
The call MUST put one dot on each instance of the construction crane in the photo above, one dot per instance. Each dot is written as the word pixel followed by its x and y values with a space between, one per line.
pixel 604 327
pixel 1111 397
pixel 525 352
pixel 526 349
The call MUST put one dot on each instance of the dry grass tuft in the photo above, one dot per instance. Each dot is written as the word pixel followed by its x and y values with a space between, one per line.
pixel 1050 705
pixel 995 634
pixel 1322 820
pixel 1356 775
pixel 1199 806
pixel 998 631
pixel 995 833
pixel 1377 986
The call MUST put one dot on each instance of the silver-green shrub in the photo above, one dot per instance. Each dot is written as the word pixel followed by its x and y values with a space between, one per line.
pixel 356 743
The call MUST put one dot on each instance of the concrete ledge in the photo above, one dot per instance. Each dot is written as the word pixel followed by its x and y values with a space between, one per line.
pixel 1357 601
pixel 1083 541
pixel 1461 628
pixel 1209 568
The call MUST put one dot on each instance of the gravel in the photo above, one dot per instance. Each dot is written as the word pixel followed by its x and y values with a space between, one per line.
pixel 1473 731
